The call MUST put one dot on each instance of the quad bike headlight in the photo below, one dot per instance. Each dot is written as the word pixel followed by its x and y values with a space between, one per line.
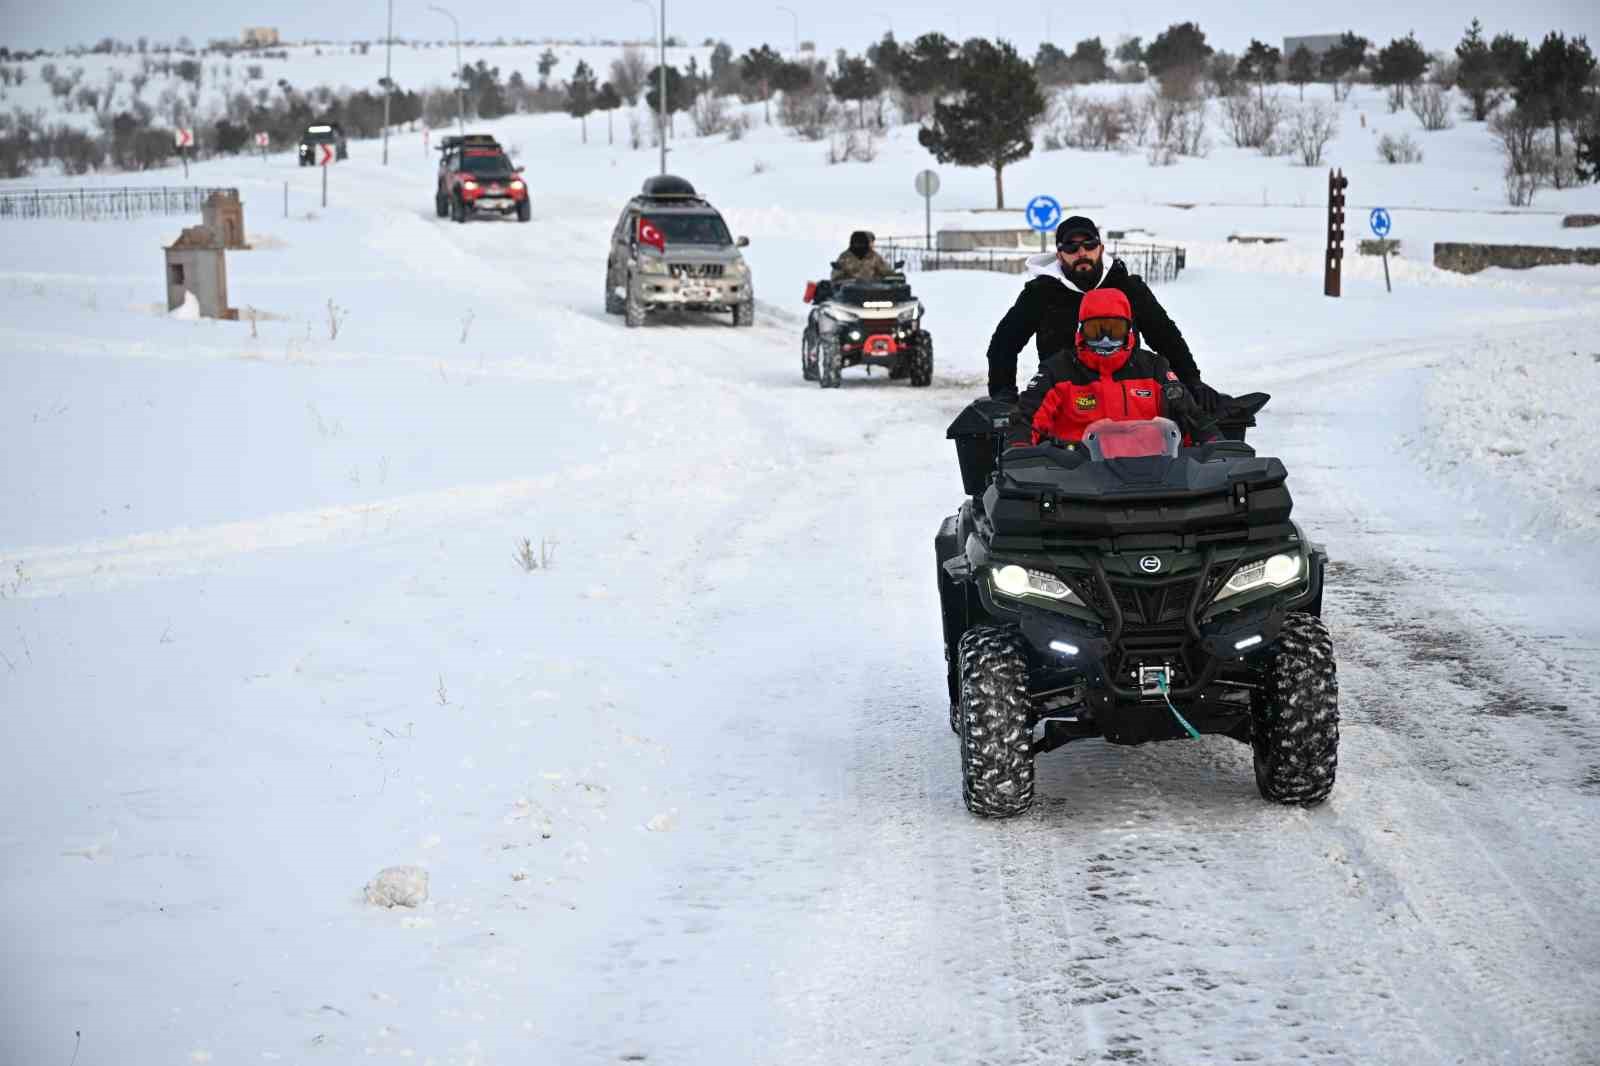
pixel 908 315
pixel 839 314
pixel 1278 571
pixel 1017 582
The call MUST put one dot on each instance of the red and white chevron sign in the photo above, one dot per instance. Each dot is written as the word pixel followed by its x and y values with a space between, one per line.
pixel 262 140
pixel 183 138
pixel 327 155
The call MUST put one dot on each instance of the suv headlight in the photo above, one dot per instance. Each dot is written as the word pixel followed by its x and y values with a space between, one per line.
pixel 1017 583
pixel 738 269
pixel 1279 571
pixel 648 265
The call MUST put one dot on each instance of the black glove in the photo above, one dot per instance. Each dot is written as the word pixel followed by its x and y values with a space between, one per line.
pixel 1206 398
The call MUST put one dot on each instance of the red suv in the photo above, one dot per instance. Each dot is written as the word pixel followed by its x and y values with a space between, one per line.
pixel 476 176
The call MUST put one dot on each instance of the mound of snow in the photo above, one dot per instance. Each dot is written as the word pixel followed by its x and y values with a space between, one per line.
pixel 398 886
pixel 188 311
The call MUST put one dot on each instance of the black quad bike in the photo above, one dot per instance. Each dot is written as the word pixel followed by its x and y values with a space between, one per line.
pixel 1133 589
pixel 865 323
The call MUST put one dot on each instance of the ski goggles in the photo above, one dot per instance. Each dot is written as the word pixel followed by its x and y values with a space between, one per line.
pixel 1105 329
pixel 1086 244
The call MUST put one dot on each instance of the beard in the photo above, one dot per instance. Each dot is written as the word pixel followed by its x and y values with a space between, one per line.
pixel 1084 273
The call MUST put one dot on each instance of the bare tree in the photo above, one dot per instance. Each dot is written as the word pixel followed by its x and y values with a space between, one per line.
pixel 1311 127
pixel 627 74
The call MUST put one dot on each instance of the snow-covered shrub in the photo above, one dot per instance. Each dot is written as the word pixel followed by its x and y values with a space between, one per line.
pixel 1431 105
pixel 1311 127
pixel 738 126
pixel 709 114
pixel 1251 121
pixel 1177 126
pixel 810 116
pixel 1401 149
pixel 398 886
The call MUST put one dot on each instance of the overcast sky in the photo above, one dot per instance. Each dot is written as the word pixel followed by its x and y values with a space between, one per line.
pixel 831 23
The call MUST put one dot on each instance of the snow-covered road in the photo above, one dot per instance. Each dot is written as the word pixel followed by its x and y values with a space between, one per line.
pixel 688 794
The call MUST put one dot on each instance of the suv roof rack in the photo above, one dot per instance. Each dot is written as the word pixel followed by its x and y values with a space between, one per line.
pixel 668 186
pixel 483 140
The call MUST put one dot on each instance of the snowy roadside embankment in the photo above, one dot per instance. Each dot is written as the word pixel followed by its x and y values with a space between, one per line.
pixel 1521 423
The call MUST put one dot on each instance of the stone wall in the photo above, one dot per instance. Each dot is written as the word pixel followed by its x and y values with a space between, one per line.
pixel 1471 258
pixel 1580 221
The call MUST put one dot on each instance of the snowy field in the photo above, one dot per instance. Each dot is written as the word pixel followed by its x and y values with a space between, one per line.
pixel 686 794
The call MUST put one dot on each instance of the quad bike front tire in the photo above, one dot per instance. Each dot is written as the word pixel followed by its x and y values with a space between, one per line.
pixel 458 209
pixel 921 365
pixel 808 354
pixel 1295 728
pixel 441 205
pixel 996 723
pixel 633 309
pixel 744 314
pixel 830 363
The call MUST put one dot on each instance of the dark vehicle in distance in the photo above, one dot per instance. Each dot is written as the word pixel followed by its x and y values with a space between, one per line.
pixel 317 135
pixel 479 178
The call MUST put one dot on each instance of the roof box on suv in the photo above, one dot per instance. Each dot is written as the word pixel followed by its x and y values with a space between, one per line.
pixel 665 186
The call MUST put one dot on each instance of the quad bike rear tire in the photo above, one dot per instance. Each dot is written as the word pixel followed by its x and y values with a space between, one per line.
pixel 921 365
pixel 996 723
pixel 830 363
pixel 1295 725
pixel 808 353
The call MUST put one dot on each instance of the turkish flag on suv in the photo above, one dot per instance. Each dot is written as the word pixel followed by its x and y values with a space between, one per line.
pixel 649 234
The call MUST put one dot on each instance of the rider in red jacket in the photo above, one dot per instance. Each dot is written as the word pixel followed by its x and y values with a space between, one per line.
pixel 1107 375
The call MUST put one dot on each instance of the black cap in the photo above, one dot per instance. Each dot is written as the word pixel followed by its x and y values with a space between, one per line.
pixel 1075 226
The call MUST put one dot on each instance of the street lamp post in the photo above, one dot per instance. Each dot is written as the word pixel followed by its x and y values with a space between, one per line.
pixel 661 81
pixel 461 80
pixel 388 80
pixel 796 18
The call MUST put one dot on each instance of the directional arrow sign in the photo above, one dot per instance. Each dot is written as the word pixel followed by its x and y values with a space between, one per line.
pixel 327 155
pixel 1043 213
pixel 183 138
pixel 262 140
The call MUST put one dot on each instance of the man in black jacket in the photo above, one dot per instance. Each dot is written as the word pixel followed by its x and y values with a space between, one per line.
pixel 1047 310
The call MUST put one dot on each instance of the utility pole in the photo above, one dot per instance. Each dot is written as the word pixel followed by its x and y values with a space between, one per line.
pixel 388 80
pixel 461 78
pixel 791 14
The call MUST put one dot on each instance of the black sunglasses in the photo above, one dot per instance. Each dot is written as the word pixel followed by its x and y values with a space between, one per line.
pixel 1088 244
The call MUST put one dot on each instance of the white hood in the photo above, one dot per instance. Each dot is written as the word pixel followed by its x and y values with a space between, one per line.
pixel 1046 265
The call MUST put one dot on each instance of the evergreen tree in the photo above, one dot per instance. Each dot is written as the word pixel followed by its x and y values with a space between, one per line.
pixel 547 63
pixel 757 70
pixel 887 58
pixel 1179 50
pixel 1051 65
pixel 678 96
pixel 1088 62
pixel 1302 69
pixel 608 100
pixel 1260 64
pixel 1400 64
pixel 582 96
pixel 990 123
pixel 932 65
pixel 1477 75
pixel 1130 51
pixel 857 81
pixel 1340 63
pixel 1553 84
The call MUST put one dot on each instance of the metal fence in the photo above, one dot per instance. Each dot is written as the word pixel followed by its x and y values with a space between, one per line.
pixel 1156 263
pixel 127 202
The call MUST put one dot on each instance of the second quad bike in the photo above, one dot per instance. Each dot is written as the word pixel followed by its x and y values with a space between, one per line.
pixel 1133 589
pixel 865 323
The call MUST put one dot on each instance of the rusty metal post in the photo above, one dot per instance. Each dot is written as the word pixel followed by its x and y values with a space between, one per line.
pixel 1334 260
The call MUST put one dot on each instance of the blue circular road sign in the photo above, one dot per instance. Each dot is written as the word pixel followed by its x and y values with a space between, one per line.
pixel 1044 213
pixel 1380 222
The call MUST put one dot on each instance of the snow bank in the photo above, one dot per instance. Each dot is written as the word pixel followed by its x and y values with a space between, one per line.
pixel 1520 418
